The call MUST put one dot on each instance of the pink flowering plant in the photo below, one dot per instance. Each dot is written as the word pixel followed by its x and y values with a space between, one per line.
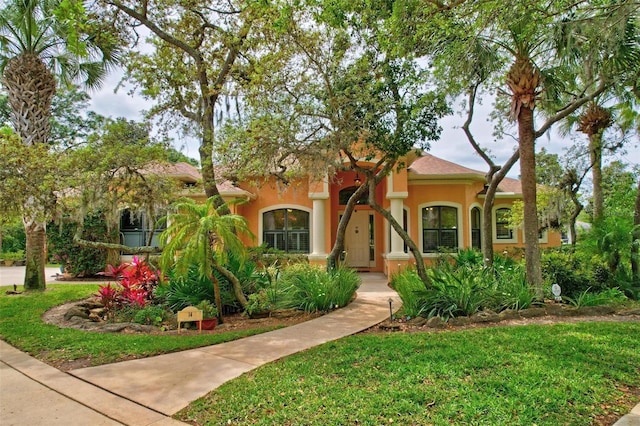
pixel 136 282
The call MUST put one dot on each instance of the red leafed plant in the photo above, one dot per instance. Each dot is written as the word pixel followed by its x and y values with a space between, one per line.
pixel 136 283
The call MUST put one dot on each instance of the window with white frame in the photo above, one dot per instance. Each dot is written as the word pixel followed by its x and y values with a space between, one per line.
pixel 503 228
pixel 439 229
pixel 286 229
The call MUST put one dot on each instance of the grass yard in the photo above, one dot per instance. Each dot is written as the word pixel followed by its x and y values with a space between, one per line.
pixel 21 326
pixel 564 374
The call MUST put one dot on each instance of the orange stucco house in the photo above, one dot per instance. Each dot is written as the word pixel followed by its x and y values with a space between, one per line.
pixel 439 203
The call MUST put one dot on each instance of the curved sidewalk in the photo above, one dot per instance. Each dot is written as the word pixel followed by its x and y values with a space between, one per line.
pixel 145 391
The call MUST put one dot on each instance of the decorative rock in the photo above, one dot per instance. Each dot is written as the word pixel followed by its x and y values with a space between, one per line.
pixel 559 310
pixel 533 312
pixel 595 310
pixel 390 326
pixel 76 311
pixel 436 322
pixel 627 312
pixel 457 321
pixel 508 314
pixel 91 305
pixel 485 316
pixel 417 321
pixel 95 317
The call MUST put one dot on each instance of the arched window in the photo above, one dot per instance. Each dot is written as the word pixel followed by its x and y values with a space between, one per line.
pixel 503 230
pixel 476 239
pixel 439 229
pixel 287 230
pixel 346 193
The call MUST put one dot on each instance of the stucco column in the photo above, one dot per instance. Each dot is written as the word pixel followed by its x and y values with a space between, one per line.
pixel 397 244
pixel 318 248
pixel 319 194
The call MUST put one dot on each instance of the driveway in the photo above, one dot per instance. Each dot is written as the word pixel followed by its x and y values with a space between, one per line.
pixel 10 275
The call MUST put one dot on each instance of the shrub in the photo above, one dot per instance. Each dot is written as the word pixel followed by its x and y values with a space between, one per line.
pixel 311 288
pixel 454 293
pixel 564 269
pixel 183 291
pixel 136 284
pixel 512 289
pixel 468 258
pixel 610 296
pixel 408 284
pixel 79 261
pixel 151 315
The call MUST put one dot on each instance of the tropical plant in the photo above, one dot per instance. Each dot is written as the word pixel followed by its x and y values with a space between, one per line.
pixel 200 234
pixel 408 285
pixel 610 296
pixel 184 290
pixel 312 288
pixel 37 39
pixel 208 309
pixel 136 285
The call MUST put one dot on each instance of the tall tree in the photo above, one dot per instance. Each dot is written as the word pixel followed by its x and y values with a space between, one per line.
pixel 335 98
pixel 195 54
pixel 522 35
pixel 42 41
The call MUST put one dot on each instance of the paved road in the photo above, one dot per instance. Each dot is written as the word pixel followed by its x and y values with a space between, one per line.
pixel 10 275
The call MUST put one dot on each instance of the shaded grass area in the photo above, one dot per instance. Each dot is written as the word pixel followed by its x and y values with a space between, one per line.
pixel 21 325
pixel 573 374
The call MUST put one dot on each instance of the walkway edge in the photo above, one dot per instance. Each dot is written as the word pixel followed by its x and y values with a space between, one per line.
pixel 93 397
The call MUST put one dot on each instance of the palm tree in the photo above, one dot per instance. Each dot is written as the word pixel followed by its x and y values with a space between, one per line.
pixel 40 45
pixel 203 235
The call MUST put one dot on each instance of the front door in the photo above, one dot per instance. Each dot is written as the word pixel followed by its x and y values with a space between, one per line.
pixel 357 240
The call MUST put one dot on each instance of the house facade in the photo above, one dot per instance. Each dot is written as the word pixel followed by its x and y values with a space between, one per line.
pixel 438 202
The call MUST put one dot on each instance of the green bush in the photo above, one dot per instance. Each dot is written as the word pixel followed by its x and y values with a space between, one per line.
pixel 181 292
pixel 13 237
pixel 408 284
pixel 79 261
pixel 566 270
pixel 151 315
pixel 512 291
pixel 312 288
pixel 456 292
pixel 610 296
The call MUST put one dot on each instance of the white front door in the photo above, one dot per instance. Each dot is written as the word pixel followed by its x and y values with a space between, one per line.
pixel 356 240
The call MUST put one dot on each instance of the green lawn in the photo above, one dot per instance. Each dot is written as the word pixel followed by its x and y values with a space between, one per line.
pixel 565 374
pixel 21 326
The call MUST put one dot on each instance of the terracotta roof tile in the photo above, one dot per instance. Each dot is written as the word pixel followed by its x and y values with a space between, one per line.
pixel 430 165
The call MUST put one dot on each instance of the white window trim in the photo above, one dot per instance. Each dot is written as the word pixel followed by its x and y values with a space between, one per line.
pixel 471 207
pixel 497 240
pixel 459 224
pixel 285 206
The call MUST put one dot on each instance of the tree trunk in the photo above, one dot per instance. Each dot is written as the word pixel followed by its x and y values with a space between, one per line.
pixel 635 243
pixel 338 246
pixel 526 138
pixel 237 287
pixel 217 296
pixel 595 152
pixel 574 217
pixel 36 234
pixel 417 255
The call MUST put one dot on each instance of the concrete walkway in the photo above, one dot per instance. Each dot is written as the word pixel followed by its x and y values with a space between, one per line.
pixel 146 391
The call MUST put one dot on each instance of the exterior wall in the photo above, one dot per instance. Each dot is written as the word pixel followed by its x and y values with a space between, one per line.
pixel 395 192
pixel 271 196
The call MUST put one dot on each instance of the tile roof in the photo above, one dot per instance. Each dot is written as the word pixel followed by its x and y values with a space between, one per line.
pixel 431 167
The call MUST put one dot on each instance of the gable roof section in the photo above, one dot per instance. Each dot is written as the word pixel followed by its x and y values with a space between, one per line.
pixel 187 173
pixel 430 167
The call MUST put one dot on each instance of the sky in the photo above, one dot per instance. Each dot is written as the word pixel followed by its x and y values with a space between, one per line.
pixel 452 146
